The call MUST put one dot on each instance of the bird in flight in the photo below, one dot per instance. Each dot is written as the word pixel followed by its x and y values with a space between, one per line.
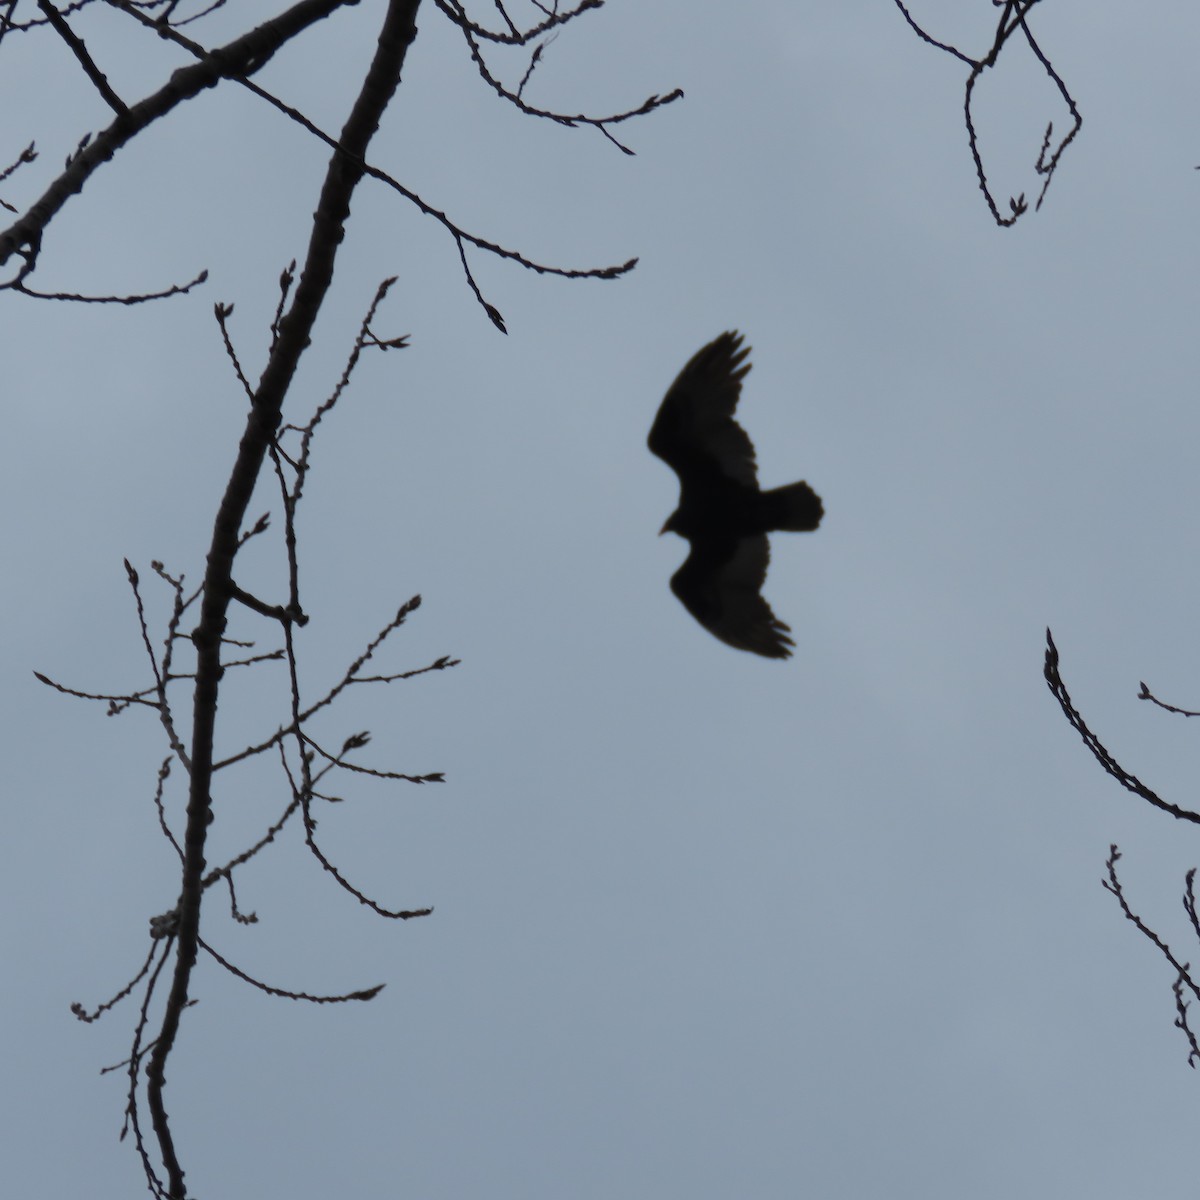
pixel 722 511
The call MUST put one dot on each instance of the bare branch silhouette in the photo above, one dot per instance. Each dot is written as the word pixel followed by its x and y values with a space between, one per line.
pixel 1185 981
pixel 1128 781
pixel 474 34
pixel 1146 694
pixel 93 72
pixel 242 56
pixel 197 662
pixel 1012 18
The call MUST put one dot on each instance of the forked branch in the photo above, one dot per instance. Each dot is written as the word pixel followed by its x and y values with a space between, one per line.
pixel 1013 15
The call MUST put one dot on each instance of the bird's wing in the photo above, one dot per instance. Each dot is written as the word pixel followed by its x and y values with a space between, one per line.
pixel 694 432
pixel 719 584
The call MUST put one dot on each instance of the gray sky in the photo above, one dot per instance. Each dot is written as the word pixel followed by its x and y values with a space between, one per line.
pixel 706 925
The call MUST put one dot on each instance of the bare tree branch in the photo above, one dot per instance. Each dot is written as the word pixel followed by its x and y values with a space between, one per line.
pixel 305 763
pixel 398 31
pixel 1130 782
pixel 243 56
pixel 86 61
pixel 1012 18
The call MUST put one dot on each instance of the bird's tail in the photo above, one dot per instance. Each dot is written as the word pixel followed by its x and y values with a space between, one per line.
pixel 795 508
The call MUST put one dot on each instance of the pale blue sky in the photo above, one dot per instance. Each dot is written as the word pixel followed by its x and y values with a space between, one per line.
pixel 706 926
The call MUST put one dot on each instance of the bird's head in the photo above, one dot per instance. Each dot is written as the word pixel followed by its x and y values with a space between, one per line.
pixel 669 525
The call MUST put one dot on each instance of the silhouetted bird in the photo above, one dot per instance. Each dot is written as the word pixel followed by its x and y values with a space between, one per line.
pixel 722 512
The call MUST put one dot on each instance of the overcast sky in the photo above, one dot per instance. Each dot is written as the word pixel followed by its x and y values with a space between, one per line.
pixel 706 925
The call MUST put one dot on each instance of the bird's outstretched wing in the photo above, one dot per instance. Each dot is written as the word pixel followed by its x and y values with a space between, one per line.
pixel 695 433
pixel 720 585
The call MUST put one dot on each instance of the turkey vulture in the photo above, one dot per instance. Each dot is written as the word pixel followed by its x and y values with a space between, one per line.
pixel 722 512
